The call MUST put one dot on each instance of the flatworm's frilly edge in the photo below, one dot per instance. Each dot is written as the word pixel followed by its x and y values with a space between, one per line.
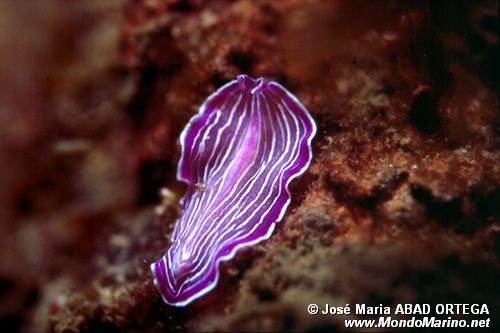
pixel 239 154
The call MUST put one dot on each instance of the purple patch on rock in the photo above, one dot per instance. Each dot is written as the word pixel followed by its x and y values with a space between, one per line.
pixel 239 154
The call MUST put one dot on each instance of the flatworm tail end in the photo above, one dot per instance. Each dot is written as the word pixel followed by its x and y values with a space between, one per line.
pixel 249 140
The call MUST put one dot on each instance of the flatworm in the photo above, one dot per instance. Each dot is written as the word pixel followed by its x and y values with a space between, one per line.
pixel 239 154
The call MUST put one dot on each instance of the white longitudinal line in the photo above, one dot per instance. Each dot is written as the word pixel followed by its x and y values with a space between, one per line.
pixel 220 224
pixel 238 196
pixel 195 210
pixel 221 163
pixel 247 158
pixel 215 210
pixel 187 149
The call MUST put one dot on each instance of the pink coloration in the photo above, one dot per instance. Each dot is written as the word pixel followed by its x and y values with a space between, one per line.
pixel 239 154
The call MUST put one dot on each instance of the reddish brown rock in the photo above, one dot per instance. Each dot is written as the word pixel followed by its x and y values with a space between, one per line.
pixel 400 204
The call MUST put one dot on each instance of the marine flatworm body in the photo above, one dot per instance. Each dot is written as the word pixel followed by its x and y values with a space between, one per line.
pixel 239 154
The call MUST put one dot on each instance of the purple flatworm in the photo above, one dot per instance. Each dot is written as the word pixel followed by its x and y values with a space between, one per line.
pixel 239 154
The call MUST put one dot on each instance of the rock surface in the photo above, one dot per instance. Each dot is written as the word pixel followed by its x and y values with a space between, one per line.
pixel 400 204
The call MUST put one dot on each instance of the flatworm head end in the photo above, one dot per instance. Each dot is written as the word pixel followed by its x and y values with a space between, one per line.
pixel 249 140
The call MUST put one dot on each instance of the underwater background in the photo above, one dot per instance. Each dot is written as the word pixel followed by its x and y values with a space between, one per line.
pixel 400 203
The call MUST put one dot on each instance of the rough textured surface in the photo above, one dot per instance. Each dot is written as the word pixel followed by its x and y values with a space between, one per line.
pixel 400 203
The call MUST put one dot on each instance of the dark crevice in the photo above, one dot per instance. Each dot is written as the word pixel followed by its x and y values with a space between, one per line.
pixel 242 61
pixel 152 176
pixel 490 24
pixel 299 188
pixel 446 213
pixel 138 106
pixel 11 323
pixel 487 207
pixel 99 325
pixel 31 297
pixel 181 6
pixel 452 279
pixel 6 286
pixel 424 114
pixel 380 194
pixel 217 80
pixel 383 192
pixel 476 43
pixel 489 68
pixel 482 209
pixel 25 205
pixel 266 294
